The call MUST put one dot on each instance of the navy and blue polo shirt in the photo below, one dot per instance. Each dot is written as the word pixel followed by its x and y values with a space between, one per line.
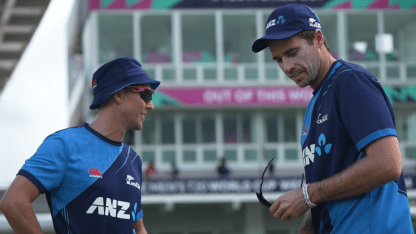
pixel 92 184
pixel 348 111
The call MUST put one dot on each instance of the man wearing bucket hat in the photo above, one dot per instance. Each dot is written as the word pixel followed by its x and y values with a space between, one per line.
pixel 92 180
pixel 350 151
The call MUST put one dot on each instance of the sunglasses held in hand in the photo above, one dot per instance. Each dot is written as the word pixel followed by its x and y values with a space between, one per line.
pixel 260 196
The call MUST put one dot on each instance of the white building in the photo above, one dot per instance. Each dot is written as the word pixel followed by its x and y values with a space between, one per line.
pixel 219 99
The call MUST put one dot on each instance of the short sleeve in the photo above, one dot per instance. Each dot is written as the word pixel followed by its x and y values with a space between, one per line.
pixel 364 108
pixel 46 168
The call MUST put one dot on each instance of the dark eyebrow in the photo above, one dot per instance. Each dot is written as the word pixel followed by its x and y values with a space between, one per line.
pixel 286 52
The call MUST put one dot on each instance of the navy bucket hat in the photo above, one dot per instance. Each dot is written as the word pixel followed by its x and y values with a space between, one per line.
pixel 285 22
pixel 116 75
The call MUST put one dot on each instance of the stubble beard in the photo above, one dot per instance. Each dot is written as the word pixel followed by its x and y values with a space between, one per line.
pixel 134 125
pixel 313 77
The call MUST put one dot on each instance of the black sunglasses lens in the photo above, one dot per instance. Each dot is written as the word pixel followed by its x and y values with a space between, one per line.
pixel 146 95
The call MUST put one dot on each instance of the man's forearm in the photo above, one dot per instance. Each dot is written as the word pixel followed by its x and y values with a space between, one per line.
pixel 139 227
pixel 143 231
pixel 22 219
pixel 363 176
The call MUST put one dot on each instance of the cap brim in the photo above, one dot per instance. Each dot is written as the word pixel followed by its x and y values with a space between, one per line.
pixel 262 43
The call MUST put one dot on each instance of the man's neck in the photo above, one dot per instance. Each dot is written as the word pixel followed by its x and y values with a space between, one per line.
pixel 327 61
pixel 109 128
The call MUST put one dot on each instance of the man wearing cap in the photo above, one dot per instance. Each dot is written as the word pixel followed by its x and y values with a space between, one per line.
pixel 349 143
pixel 92 180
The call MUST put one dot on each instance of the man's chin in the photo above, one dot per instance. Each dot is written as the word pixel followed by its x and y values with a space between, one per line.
pixel 136 127
pixel 302 85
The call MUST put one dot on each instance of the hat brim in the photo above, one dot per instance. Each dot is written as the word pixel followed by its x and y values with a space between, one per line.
pixel 101 99
pixel 262 43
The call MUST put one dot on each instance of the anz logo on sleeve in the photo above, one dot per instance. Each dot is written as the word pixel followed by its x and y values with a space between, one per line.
pixel 309 151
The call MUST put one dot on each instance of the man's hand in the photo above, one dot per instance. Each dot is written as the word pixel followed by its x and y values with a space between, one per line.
pixel 289 206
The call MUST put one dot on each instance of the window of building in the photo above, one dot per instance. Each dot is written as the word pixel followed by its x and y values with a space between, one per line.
pixel 230 129
pixel 230 155
pixel 156 38
pixel 329 24
pixel 238 128
pixel 168 130
pixel 148 131
pixel 242 27
pixel 115 37
pixel 405 125
pixel 361 37
pixel 189 156
pixel 148 156
pixel 189 130
pixel 198 39
pixel 400 25
pixel 410 152
pixel 268 154
pixel 291 154
pixel 208 130
pixel 210 155
pixel 250 155
pixel 169 156
pixel 289 123
pixel 271 128
pixel 248 129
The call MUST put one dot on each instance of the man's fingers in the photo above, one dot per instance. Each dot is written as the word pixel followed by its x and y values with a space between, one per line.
pixel 278 214
pixel 285 215
pixel 289 214
pixel 274 207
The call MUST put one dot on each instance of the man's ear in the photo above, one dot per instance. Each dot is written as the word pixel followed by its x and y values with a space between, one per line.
pixel 118 96
pixel 319 37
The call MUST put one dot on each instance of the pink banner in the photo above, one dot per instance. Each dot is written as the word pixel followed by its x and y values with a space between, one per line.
pixel 239 96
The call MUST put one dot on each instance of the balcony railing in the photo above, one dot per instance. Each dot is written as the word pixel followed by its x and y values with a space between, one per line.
pixel 393 73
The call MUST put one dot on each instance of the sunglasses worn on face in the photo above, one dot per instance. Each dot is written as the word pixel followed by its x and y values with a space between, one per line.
pixel 260 196
pixel 145 93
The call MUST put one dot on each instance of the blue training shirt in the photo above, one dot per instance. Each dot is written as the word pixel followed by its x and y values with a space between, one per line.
pixel 92 184
pixel 348 111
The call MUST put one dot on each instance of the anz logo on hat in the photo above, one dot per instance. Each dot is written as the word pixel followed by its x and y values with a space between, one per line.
pixel 273 22
pixel 314 23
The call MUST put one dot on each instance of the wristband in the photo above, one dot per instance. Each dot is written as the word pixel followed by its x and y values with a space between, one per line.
pixel 306 196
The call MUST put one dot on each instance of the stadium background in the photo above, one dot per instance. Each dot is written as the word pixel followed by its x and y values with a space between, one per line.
pixel 218 99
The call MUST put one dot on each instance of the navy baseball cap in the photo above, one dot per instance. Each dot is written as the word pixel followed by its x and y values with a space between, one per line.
pixel 116 75
pixel 285 22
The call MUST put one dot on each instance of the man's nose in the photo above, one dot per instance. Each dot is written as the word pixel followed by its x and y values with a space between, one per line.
pixel 287 65
pixel 150 106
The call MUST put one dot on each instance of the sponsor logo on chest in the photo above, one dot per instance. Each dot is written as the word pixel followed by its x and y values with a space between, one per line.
pixel 308 152
pixel 112 208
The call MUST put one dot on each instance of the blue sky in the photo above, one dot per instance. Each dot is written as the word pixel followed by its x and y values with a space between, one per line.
pixel 34 102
